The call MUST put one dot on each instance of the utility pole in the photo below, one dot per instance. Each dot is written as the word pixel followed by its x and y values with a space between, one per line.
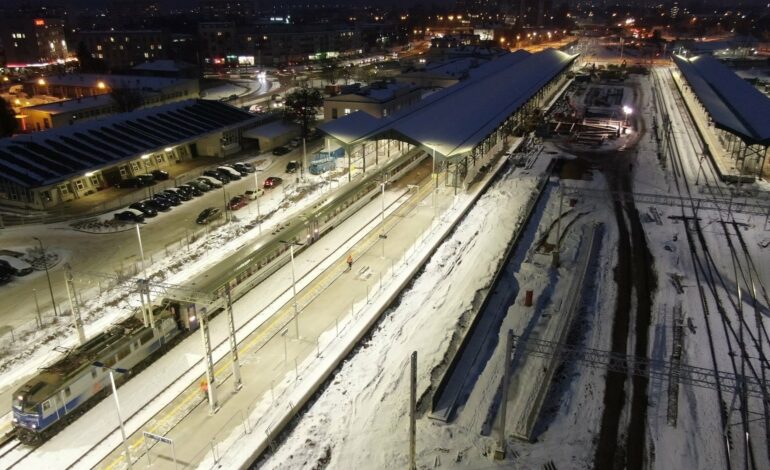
pixel 413 412
pixel 210 377
pixel 556 250
pixel 74 304
pixel 237 383
pixel 500 451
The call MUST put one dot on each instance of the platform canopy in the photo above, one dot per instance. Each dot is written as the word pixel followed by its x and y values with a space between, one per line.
pixel 456 119
pixel 733 103
pixel 52 156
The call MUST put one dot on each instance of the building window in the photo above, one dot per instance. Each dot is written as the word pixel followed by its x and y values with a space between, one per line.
pixel 347 111
pixel 159 158
pixel 80 185
pixel 334 113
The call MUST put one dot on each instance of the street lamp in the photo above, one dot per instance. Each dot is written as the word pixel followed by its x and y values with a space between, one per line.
pixel 117 404
pixel 256 193
pixel 383 235
pixel 47 274
pixel 626 112
pixel 292 244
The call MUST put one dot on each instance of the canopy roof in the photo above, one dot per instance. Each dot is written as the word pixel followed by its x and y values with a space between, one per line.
pixel 456 119
pixel 49 157
pixel 733 104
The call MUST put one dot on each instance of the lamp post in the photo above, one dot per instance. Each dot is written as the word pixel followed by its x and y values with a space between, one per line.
pixel 292 244
pixel 382 235
pixel 144 291
pixel 626 112
pixel 47 274
pixel 256 193
pixel 117 405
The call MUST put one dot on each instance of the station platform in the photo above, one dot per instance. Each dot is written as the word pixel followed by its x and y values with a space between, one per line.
pixel 724 165
pixel 329 297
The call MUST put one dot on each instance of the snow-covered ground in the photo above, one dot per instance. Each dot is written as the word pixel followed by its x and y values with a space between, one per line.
pixel 361 419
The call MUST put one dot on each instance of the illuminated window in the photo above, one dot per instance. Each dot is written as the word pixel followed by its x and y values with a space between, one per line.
pixel 347 111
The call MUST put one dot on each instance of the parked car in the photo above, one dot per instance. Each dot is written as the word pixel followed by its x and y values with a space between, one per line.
pixel 209 214
pixel 281 151
pixel 160 175
pixel 272 182
pixel 147 180
pixel 237 202
pixel 145 209
pixel 211 181
pixel 181 194
pixel 159 204
pixel 130 215
pixel 294 143
pixel 240 170
pixel 129 183
pixel 224 179
pixel 197 185
pixel 17 265
pixel 231 173
pixel 172 199
pixel 6 273
pixel 292 166
pixel 244 166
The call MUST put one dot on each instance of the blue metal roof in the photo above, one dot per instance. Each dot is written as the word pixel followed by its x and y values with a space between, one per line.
pixel 49 157
pixel 733 104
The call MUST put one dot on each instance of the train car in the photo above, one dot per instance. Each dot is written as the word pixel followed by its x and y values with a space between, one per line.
pixel 257 260
pixel 65 390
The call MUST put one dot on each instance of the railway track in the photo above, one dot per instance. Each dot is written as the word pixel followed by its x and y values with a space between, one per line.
pixel 745 343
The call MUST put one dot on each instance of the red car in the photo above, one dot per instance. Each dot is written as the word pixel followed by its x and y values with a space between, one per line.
pixel 237 202
pixel 272 182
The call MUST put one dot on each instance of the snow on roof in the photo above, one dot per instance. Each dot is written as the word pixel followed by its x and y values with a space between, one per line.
pixel 44 158
pixel 351 127
pixel 376 93
pixel 163 65
pixel 271 130
pixel 733 104
pixel 456 119
pixel 77 104
pixel 112 81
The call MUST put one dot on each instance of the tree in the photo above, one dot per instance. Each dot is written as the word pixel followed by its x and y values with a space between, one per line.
pixel 330 69
pixel 347 73
pixel 302 105
pixel 8 122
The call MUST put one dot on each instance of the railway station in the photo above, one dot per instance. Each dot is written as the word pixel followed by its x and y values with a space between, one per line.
pixel 463 126
pixel 730 113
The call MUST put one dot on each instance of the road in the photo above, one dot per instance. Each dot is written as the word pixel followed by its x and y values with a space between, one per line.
pixel 109 252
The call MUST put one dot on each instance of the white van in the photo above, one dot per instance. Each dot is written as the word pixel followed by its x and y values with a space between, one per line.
pixel 18 265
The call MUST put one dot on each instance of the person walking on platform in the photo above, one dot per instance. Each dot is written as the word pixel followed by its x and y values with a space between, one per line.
pixel 350 262
pixel 204 387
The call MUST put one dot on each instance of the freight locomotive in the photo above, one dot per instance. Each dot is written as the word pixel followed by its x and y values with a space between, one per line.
pixel 65 390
